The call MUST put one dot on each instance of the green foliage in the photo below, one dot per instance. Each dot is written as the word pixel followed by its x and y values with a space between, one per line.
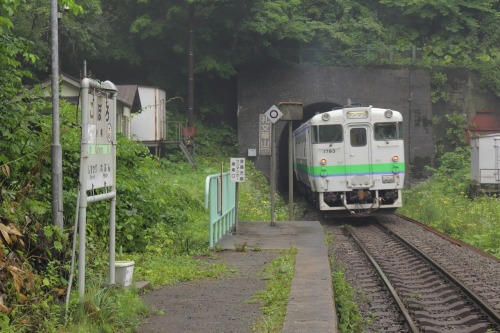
pixel 442 202
pixel 159 236
pixel 274 300
pixel 230 34
pixel 348 313
pixel 453 137
pixel 489 74
pixel 255 198
pixel 161 268
pixel 105 310
pixel 438 81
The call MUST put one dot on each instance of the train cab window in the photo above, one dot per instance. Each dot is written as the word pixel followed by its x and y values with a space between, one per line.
pixel 327 134
pixel 358 137
pixel 388 131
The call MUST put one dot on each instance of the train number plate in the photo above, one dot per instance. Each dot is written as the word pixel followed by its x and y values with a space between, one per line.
pixel 388 179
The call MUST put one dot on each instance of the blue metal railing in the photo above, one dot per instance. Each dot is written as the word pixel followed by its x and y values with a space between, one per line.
pixel 220 200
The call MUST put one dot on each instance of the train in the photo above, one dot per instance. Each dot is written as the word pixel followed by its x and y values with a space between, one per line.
pixel 350 161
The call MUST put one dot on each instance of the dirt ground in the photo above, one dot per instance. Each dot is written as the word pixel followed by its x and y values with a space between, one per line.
pixel 211 305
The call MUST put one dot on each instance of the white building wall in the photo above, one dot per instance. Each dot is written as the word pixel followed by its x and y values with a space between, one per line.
pixel 148 125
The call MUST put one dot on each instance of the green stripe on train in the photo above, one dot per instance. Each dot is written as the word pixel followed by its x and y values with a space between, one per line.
pixel 353 169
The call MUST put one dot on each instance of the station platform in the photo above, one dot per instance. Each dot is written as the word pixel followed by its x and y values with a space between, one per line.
pixel 310 306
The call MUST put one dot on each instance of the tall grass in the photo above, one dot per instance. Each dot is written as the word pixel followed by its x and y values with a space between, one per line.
pixel 442 202
pixel 161 224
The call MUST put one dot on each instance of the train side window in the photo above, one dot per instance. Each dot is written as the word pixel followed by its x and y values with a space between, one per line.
pixel 314 134
pixel 330 133
pixel 400 131
pixel 358 137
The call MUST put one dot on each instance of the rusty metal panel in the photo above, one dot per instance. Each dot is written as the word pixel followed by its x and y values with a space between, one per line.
pixel 291 110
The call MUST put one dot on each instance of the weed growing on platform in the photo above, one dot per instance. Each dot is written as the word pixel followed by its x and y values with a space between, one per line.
pixel 274 300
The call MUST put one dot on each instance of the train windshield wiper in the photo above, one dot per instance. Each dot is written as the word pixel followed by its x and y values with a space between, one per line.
pixel 335 139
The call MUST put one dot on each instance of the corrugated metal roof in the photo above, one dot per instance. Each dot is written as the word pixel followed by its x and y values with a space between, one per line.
pixel 127 94
pixel 486 121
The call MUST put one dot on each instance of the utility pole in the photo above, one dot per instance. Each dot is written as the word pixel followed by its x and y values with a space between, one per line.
pixel 190 111
pixel 56 150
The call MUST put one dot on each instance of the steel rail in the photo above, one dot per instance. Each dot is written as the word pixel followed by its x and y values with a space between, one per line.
pixel 380 272
pixel 494 316
pixel 449 238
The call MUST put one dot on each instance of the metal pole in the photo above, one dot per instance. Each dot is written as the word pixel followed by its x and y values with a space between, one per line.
pixel 409 122
pixel 56 151
pixel 190 113
pixel 83 186
pixel 82 221
pixel 112 209
pixel 273 166
pixel 290 173
pixel 236 208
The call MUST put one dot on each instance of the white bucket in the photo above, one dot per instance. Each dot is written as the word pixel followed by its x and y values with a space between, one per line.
pixel 124 271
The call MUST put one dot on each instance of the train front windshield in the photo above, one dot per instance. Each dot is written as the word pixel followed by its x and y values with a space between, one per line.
pixel 388 131
pixel 327 134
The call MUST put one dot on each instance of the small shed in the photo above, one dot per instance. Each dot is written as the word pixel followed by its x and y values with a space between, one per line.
pixel 70 91
pixel 140 113
pixel 148 124
pixel 485 161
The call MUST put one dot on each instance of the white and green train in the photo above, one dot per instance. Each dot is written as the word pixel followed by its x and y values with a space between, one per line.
pixel 351 160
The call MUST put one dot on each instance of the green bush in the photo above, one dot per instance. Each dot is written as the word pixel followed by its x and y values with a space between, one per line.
pixel 443 203
pixel 160 221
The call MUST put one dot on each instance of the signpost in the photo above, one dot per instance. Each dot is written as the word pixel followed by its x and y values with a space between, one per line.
pixel 286 111
pixel 97 164
pixel 237 175
pixel 291 111
pixel 273 114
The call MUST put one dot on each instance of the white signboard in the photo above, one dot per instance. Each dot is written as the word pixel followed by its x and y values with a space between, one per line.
pixel 274 114
pixel 101 124
pixel 237 172
pixel 264 135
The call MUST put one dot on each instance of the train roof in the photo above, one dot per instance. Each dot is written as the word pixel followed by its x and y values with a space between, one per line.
pixel 364 114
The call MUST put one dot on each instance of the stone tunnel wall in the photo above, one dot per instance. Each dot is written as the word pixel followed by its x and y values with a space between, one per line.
pixel 405 90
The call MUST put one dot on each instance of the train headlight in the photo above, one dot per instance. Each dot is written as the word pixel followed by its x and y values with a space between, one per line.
pixel 322 162
pixel 395 158
pixel 325 116
pixel 388 113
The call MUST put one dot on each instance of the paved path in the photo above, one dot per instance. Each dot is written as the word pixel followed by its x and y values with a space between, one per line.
pixel 310 306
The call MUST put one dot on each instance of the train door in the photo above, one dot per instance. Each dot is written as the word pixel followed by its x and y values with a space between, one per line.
pixel 359 168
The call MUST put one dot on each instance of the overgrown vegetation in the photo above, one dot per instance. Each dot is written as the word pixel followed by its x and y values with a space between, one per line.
pixel 160 222
pixel 348 313
pixel 443 202
pixel 274 300
pixel 113 35
pixel 349 318
pixel 34 255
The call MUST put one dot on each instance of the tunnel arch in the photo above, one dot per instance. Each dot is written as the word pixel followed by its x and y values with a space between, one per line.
pixel 406 90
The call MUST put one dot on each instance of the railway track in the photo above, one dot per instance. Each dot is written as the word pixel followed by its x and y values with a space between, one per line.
pixel 425 294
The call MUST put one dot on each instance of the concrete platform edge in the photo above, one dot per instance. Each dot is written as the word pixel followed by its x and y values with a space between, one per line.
pixel 310 306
